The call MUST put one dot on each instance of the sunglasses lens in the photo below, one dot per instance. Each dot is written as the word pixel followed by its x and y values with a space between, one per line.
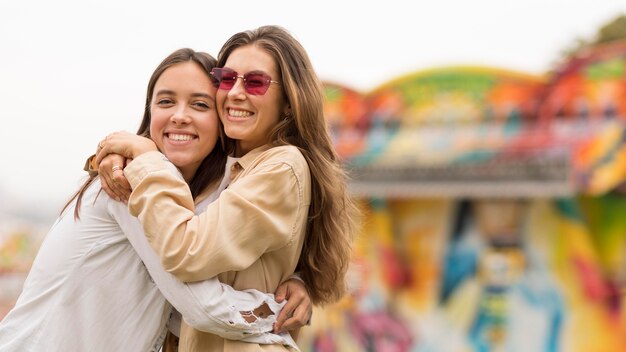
pixel 223 78
pixel 215 75
pixel 229 78
pixel 256 83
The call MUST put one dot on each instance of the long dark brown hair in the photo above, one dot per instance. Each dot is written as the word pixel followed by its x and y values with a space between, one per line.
pixel 212 167
pixel 333 215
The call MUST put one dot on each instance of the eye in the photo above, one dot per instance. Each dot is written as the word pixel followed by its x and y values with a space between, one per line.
pixel 256 79
pixel 164 102
pixel 229 78
pixel 201 105
pixel 255 82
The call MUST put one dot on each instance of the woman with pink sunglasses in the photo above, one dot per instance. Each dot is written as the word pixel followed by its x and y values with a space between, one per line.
pixel 286 208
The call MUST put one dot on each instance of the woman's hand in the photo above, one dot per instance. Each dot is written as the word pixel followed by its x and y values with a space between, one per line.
pixel 299 308
pixel 125 144
pixel 112 179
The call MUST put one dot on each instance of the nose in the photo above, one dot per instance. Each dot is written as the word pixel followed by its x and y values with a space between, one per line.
pixel 180 115
pixel 238 90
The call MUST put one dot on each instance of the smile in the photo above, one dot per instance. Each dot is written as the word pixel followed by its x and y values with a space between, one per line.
pixel 180 137
pixel 239 113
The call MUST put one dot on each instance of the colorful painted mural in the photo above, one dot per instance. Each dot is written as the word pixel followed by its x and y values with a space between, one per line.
pixel 449 132
pixel 494 210
pixel 585 106
pixel 591 85
pixel 483 275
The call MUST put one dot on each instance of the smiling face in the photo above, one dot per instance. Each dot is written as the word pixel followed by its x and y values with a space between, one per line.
pixel 184 123
pixel 249 118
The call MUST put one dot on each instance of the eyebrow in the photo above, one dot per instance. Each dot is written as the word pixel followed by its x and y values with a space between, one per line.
pixel 171 92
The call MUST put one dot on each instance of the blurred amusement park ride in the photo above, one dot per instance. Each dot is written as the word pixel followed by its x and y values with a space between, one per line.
pixel 494 210
pixel 470 131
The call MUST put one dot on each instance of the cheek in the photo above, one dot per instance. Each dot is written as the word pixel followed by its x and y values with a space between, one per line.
pixel 220 99
pixel 273 113
pixel 209 127
pixel 275 107
pixel 157 123
pixel 157 118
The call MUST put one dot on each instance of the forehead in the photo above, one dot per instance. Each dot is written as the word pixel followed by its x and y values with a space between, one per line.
pixel 249 58
pixel 185 76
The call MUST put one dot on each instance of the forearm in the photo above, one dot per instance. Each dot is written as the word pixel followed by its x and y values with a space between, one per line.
pixel 233 232
pixel 205 305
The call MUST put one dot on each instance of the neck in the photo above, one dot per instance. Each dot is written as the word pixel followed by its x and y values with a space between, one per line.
pixel 241 150
pixel 187 174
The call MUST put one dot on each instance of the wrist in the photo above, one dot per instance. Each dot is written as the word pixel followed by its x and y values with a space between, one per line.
pixel 296 276
pixel 145 147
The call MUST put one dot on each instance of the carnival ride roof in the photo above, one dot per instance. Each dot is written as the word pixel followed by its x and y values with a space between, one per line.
pixel 481 131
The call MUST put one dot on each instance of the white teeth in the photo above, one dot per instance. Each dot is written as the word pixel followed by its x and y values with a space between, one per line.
pixel 180 137
pixel 239 113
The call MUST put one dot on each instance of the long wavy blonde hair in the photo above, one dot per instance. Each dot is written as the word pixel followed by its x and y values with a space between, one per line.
pixel 333 215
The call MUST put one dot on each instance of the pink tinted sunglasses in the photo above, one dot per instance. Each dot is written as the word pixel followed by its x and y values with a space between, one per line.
pixel 254 82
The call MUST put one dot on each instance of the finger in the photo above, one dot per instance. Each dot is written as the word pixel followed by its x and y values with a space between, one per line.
pixel 286 313
pixel 298 304
pixel 114 191
pixel 106 169
pixel 123 188
pixel 121 185
pixel 117 173
pixel 299 319
pixel 101 152
pixel 98 147
pixel 115 188
pixel 281 293
pixel 105 184
pixel 283 316
pixel 103 148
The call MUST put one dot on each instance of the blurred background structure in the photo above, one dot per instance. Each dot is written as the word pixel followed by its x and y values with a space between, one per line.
pixel 496 208
pixel 495 205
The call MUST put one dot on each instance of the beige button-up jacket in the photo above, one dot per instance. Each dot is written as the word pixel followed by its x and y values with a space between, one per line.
pixel 251 237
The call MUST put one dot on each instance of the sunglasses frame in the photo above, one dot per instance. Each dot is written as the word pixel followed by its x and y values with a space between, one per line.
pixel 218 82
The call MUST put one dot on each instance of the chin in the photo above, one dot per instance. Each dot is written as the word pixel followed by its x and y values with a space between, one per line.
pixel 177 161
pixel 232 134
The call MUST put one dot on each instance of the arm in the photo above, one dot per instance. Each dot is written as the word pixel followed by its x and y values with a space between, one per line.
pixel 298 310
pixel 256 214
pixel 207 305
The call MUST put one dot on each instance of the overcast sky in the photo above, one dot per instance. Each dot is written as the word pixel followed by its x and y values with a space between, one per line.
pixel 73 71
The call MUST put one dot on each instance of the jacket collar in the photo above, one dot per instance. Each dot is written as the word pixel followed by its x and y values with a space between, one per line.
pixel 246 160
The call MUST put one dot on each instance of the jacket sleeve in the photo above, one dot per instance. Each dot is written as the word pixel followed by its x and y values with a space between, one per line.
pixel 206 305
pixel 255 215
